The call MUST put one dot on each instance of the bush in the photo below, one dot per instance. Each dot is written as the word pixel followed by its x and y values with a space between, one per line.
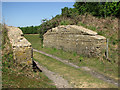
pixel 75 54
pixel 99 9
pixel 91 28
pixel 100 33
pixel 64 23
pixel 30 29
pixel 81 58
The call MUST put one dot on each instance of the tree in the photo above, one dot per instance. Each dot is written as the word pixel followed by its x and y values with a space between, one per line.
pixel 101 9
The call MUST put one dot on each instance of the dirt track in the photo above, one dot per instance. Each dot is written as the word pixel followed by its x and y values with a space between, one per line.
pixel 92 72
pixel 59 82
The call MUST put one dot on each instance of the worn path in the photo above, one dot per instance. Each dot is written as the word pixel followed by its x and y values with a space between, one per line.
pixel 92 72
pixel 57 79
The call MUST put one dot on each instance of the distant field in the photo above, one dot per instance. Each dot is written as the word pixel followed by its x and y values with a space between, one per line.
pixel 105 67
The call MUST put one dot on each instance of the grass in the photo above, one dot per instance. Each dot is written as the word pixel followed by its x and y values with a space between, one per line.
pixel 108 32
pixel 98 64
pixel 13 78
pixel 76 77
pixel 89 27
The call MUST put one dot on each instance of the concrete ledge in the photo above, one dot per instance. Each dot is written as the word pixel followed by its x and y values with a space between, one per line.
pixel 75 39
pixel 22 49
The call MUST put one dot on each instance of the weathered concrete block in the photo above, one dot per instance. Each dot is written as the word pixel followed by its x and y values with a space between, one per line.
pixel 75 39
pixel 22 49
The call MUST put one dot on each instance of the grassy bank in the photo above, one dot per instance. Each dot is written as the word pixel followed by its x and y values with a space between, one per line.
pixel 14 78
pixel 98 64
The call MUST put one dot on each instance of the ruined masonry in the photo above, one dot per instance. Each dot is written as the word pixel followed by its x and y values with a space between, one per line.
pixel 75 39
pixel 22 50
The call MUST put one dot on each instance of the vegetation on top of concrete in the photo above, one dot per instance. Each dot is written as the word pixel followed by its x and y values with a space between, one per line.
pixel 14 78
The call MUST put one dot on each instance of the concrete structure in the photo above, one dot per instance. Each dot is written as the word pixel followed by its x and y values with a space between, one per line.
pixel 75 39
pixel 22 50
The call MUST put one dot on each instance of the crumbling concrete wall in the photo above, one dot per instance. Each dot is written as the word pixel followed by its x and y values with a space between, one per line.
pixel 22 49
pixel 75 39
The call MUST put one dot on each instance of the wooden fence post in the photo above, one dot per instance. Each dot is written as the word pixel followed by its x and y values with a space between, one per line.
pixel 107 49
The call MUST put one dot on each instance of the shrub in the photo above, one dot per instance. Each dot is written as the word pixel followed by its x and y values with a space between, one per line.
pixel 75 54
pixel 81 24
pixel 92 28
pixel 64 23
pixel 81 58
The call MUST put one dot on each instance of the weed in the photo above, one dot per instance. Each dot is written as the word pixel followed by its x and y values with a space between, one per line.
pixel 75 54
pixel 54 49
pixel 64 23
pixel 81 58
pixel 80 23
pixel 91 28
pixel 104 57
pixel 114 42
pixel 70 59
pixel 100 33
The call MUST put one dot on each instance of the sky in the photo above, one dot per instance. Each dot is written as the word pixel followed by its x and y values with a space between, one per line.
pixel 21 14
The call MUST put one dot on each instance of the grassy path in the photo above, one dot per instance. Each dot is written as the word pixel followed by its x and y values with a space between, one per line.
pixel 92 72
pixel 97 64
pixel 59 82
pixel 76 77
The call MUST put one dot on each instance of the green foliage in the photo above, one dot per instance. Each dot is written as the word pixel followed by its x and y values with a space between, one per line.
pixel 81 58
pixel 46 25
pixel 114 42
pixel 7 55
pixel 54 49
pixel 91 28
pixel 7 60
pixel 69 12
pixel 29 30
pixel 4 36
pixel 64 23
pixel 100 33
pixel 65 11
pixel 81 24
pixel 100 9
pixel 75 54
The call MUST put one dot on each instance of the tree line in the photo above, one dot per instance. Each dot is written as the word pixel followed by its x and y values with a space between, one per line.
pixel 99 9
pixel 30 29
